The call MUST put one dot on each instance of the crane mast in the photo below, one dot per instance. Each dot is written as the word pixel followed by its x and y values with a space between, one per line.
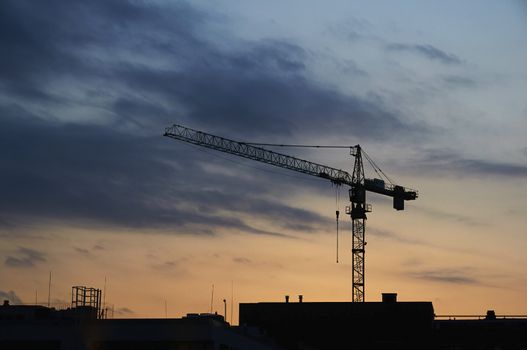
pixel 357 211
pixel 357 182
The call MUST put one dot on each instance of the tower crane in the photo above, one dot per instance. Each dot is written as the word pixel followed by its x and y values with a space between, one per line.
pixel 357 182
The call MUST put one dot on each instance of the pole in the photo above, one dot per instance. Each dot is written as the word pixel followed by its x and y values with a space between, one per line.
pixel 49 290
pixel 232 299
pixel 212 298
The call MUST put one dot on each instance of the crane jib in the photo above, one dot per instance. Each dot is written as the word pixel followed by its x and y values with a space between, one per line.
pixel 336 176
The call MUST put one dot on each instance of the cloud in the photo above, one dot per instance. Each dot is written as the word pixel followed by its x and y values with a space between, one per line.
pixel 447 162
pixel 430 242
pixel 168 266
pixel 11 296
pixel 92 91
pixel 246 88
pixel 91 174
pixel 443 215
pixel 459 81
pixel 491 168
pixel 123 311
pixel 82 251
pixel 5 224
pixel 104 64
pixel 242 260
pixel 25 258
pixel 449 276
pixel 393 236
pixel 425 50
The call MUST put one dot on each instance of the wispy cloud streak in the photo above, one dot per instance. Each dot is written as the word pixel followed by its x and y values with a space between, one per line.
pixel 25 258
pixel 449 276
pixel 427 51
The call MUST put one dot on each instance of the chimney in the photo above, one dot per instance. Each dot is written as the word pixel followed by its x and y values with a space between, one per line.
pixel 389 297
pixel 6 302
pixel 287 298
pixel 300 297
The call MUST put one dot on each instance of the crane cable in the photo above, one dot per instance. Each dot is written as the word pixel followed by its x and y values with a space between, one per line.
pixel 295 145
pixel 337 212
pixel 376 168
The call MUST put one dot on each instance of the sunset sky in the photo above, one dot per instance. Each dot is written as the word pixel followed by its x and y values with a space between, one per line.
pixel 434 91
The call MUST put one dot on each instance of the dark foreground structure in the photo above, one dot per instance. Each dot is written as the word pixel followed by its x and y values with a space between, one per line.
pixel 329 325
pixel 290 325
pixel 380 325
pixel 30 327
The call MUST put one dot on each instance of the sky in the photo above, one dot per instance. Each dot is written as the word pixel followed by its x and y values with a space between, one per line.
pixel 435 92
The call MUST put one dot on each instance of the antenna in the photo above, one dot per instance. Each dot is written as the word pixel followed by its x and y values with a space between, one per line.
pixel 166 309
pixel 212 298
pixel 232 299
pixel 104 295
pixel 49 290
pixel 225 310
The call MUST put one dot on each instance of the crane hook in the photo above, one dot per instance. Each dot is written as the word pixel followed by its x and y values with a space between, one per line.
pixel 337 217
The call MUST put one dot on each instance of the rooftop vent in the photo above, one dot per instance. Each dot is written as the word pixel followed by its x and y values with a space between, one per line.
pixel 491 315
pixel 389 297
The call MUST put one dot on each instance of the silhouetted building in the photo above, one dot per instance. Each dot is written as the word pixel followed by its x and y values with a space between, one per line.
pixel 379 325
pixel 484 333
pixel 36 327
pixel 334 325
pixel 284 326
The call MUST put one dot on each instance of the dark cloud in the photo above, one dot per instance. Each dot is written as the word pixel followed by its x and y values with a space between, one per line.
pixel 427 51
pixel 163 62
pixel 25 258
pixel 45 41
pixel 89 86
pixel 85 173
pixel 259 100
pixel 11 296
pixel 450 276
